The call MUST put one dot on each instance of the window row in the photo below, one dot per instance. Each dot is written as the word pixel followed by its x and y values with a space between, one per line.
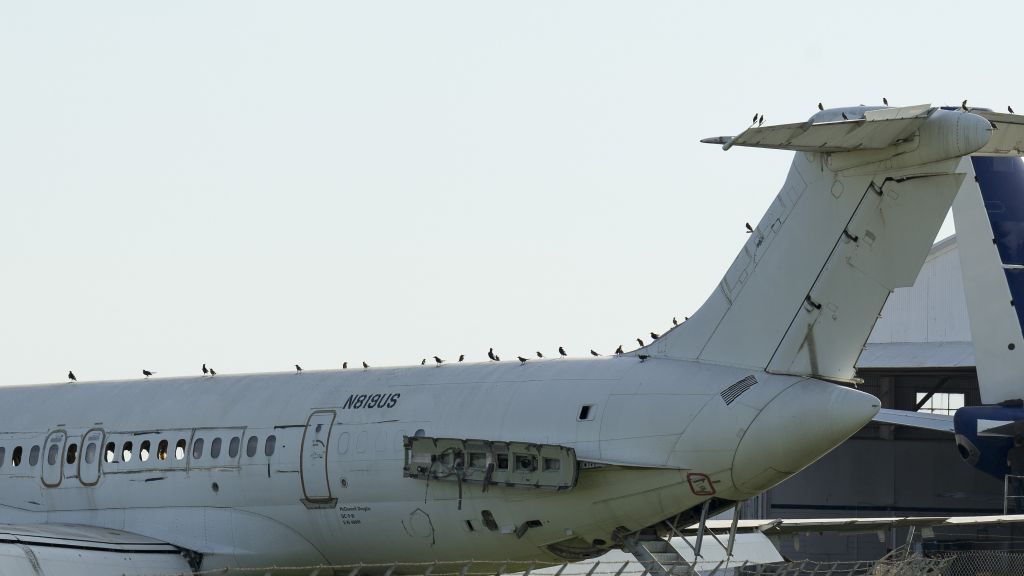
pixel 144 451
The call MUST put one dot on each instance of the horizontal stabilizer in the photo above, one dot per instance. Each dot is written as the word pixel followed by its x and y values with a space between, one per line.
pixel 924 420
pixel 1008 136
pixel 865 130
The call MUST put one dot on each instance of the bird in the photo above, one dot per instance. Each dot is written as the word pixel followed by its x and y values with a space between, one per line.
pixel 365 365
pixel 619 349
pixel 963 105
pixel 423 362
pixel 147 373
pixel 760 120
pixel 1010 109
pixel 71 376
pixel 655 335
pixel 685 318
pixel 845 117
pixel 521 359
pixel 640 342
pixel 205 370
pixel 820 107
pixel 561 352
pixel 438 360
pixel 213 372
pixel 497 358
pixel 750 229
pixel 592 353
pixel 643 357
pixel 674 321
pixel 298 369
pixel 344 365
pixel 462 357
pixel 885 101
pixel 490 354
pixel 539 355
pixel 754 121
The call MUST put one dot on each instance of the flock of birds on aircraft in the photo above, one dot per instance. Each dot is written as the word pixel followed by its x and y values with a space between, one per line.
pixel 759 118
pixel 438 360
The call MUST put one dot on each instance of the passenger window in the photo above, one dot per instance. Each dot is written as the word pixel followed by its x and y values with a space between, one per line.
pixel 33 456
pixel 233 447
pixel 268 447
pixel 90 453
pixel 16 456
pixel 215 448
pixel 108 452
pixel 161 450
pixel 197 449
pixel 126 452
pixel 179 449
pixel 144 451
pixel 3 452
pixel 72 454
pixel 251 445
pixel 502 461
pixel 51 455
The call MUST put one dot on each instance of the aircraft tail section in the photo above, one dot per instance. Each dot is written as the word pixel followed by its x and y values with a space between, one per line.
pixel 989 218
pixel 848 226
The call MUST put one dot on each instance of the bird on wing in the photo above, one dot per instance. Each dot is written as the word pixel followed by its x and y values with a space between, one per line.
pixel 674 321
pixel 640 342
pixel 655 335
pixel 147 373
pixel 298 369
pixel 561 352
pixel 205 369
pixel 1010 109
pixel 423 362
pixel 845 117
pixel 213 372
pixel 619 349
pixel 760 121
pixel 490 354
pixel 438 360
pixel 539 355
pixel 754 121
pixel 521 359
pixel 963 106
pixel 885 101
pixel 820 107
pixel 462 357
pixel 365 365
pixel 71 376
pixel 750 229
pixel 344 365
pixel 593 353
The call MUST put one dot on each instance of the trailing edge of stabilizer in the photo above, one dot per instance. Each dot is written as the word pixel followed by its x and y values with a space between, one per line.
pixel 805 291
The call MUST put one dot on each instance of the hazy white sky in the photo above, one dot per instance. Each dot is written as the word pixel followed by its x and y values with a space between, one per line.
pixel 254 184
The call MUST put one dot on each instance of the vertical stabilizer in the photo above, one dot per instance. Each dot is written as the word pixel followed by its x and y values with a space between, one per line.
pixel 847 227
pixel 989 218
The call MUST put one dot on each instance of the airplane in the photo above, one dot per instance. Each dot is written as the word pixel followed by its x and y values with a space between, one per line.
pixel 989 216
pixel 512 462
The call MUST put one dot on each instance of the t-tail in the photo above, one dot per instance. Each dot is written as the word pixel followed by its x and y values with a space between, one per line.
pixel 865 196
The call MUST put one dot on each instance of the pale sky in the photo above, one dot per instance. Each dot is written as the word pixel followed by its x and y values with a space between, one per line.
pixel 255 184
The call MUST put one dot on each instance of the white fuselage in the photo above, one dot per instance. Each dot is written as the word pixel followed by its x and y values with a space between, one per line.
pixel 657 440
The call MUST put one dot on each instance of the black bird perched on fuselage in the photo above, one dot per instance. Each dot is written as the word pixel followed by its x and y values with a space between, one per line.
pixel 521 359
pixel 760 121
pixel 462 357
pixel 213 372
pixel 963 106
pixel 71 376
pixel 885 101
pixel 365 365
pixel 754 121
pixel 539 355
pixel 298 369
pixel 750 229
pixel 593 353
pixel 674 321
pixel 205 370
pixel 845 117
pixel 147 373
pixel 438 360
pixel 619 349
pixel 655 336
pixel 820 107
pixel 561 352
pixel 423 362
pixel 344 365
pixel 490 354
pixel 640 342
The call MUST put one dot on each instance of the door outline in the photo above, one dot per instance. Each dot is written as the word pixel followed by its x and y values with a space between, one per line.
pixel 90 468
pixel 307 473
pixel 57 468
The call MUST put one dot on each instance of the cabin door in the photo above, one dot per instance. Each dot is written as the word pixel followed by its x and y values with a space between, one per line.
pixel 316 488
pixel 89 458
pixel 53 458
